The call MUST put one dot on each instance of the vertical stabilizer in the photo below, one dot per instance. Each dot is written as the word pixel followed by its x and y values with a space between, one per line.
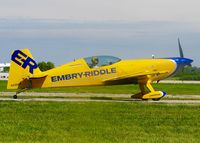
pixel 22 66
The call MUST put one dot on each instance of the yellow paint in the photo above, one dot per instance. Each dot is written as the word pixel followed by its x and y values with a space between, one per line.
pixel 142 71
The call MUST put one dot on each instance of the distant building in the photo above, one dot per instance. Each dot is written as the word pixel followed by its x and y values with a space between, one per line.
pixel 4 75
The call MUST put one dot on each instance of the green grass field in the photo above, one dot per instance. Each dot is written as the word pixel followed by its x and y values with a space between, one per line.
pixel 131 89
pixel 101 122
pixel 95 122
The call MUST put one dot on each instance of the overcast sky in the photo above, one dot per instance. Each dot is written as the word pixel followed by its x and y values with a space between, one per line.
pixel 130 10
pixel 68 29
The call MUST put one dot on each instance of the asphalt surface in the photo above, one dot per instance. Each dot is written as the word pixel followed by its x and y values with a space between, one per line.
pixel 100 100
pixel 180 81
pixel 94 97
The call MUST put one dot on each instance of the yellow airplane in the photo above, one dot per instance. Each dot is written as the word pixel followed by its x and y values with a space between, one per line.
pixel 94 71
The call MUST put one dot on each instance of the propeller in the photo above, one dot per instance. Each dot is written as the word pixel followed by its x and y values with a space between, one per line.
pixel 181 52
pixel 180 49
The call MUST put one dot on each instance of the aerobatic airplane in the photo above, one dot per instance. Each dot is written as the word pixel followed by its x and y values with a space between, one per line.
pixel 94 71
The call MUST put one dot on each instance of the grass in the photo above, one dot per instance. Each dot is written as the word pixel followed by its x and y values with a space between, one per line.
pixel 3 85
pixel 121 89
pixel 98 122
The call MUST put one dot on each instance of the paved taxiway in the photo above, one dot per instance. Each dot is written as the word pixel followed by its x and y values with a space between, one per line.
pixel 94 97
pixel 54 94
pixel 100 100
pixel 180 81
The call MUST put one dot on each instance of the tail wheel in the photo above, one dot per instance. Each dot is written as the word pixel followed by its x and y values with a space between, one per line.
pixel 15 96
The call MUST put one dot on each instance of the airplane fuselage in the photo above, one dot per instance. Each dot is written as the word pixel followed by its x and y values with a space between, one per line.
pixel 94 71
pixel 78 73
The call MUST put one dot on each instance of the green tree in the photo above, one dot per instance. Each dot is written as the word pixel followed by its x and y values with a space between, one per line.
pixel 50 65
pixel 6 69
pixel 189 73
pixel 44 66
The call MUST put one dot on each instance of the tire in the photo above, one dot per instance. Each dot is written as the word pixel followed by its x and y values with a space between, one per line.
pixel 156 99
pixel 15 96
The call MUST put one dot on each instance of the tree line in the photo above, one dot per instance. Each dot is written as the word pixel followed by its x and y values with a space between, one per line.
pixel 44 66
pixel 189 73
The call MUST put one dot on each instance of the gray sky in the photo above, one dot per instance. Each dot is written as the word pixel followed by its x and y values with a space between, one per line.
pixel 68 29
pixel 129 10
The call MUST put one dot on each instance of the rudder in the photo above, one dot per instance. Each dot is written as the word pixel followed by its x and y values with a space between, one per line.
pixel 22 67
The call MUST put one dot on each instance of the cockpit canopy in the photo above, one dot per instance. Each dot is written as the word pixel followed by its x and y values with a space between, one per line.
pixel 99 61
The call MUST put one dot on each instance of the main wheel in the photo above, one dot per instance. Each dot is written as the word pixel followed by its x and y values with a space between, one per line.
pixel 156 99
pixel 15 96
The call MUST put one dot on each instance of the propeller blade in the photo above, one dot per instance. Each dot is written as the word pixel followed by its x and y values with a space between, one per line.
pixel 180 49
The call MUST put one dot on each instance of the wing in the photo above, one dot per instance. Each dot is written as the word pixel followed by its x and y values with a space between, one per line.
pixel 134 78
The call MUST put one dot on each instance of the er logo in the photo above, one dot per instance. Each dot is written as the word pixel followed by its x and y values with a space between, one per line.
pixel 23 60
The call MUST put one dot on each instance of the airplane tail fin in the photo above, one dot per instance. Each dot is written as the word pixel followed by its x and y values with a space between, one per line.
pixel 22 67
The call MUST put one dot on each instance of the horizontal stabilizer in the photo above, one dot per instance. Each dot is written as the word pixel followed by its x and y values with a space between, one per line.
pixel 38 76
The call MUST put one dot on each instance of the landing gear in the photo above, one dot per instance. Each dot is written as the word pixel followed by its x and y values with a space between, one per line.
pixel 148 92
pixel 23 86
pixel 19 91
pixel 15 96
pixel 140 94
pixel 156 99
